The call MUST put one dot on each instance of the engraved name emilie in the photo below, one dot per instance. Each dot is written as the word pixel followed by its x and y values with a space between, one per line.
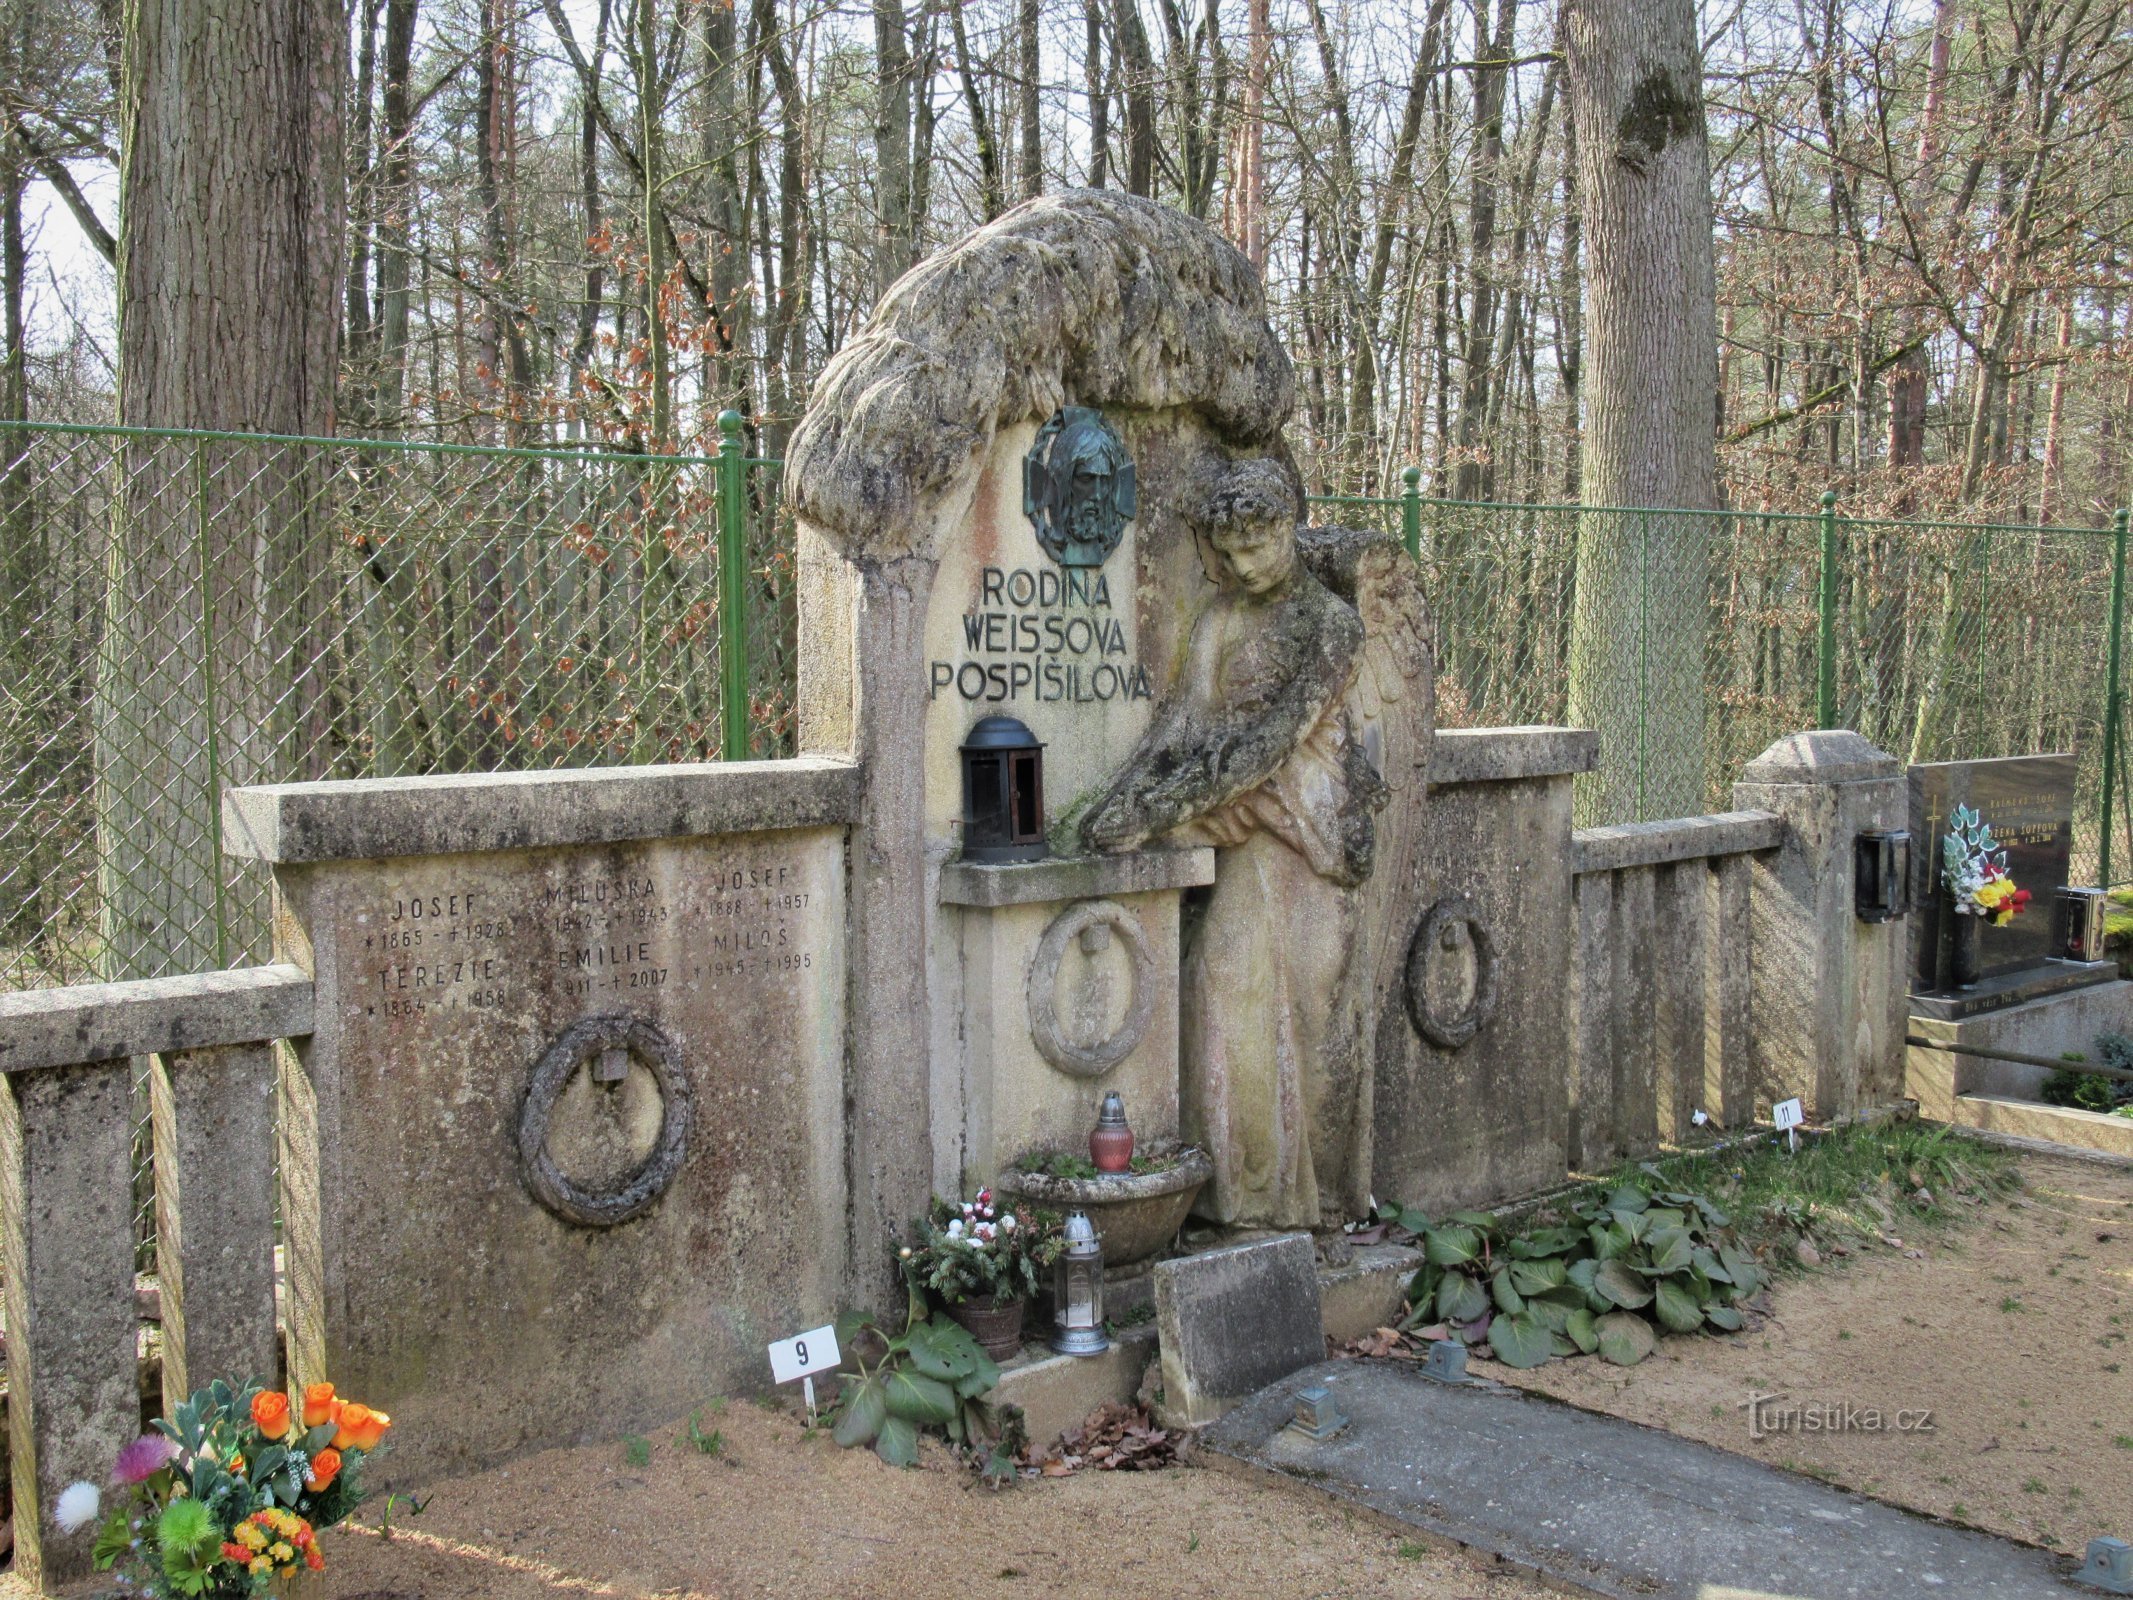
pixel 1042 650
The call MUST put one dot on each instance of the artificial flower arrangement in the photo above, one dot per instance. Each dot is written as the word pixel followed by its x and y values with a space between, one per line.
pixel 228 1495
pixel 981 1249
pixel 1974 870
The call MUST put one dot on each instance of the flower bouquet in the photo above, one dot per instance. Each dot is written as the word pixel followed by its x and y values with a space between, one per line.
pixel 1974 871
pixel 228 1495
pixel 983 1259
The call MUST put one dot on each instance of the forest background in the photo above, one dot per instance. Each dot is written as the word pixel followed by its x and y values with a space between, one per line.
pixel 1920 212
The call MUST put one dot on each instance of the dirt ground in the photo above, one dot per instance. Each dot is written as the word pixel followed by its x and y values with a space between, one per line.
pixel 2012 1330
pixel 776 1514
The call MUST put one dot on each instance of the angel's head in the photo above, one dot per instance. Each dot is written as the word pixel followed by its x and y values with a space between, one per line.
pixel 1252 525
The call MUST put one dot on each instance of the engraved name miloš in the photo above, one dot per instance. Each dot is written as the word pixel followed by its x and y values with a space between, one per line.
pixel 1035 646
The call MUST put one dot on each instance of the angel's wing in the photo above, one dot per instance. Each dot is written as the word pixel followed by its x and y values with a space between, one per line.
pixel 1392 707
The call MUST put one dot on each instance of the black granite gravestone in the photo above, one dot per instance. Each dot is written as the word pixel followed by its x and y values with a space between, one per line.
pixel 2029 803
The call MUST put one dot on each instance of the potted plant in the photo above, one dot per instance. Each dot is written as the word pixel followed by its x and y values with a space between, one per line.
pixel 983 1260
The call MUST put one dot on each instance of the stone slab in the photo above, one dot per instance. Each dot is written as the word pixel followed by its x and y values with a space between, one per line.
pixel 1611 1507
pixel 2028 802
pixel 2049 1027
pixel 1651 844
pixel 425 1274
pixel 2012 988
pixel 974 883
pixel 1014 1100
pixel 2068 1127
pixel 1235 1319
pixel 147 1016
pixel 1467 1124
pixel 1504 755
pixel 1055 1392
pixel 374 818
pixel 1369 1293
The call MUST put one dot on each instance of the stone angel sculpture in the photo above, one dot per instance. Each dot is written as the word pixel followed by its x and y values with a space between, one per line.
pixel 1295 742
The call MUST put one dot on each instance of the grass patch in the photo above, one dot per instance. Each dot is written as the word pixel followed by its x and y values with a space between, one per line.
pixel 1851 1184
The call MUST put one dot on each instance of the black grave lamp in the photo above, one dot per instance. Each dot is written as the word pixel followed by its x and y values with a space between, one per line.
pixel 1003 793
pixel 1881 875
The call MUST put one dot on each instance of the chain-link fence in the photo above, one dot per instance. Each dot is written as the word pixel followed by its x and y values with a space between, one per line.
pixel 191 611
pixel 1691 640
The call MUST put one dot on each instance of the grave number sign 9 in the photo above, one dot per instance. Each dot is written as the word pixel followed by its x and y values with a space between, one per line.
pixel 804 1353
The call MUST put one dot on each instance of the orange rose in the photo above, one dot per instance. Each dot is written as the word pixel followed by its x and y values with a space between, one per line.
pixel 313 1560
pixel 361 1428
pixel 325 1467
pixel 270 1413
pixel 319 1405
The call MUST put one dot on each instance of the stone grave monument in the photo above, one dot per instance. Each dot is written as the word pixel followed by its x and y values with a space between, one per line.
pixel 1048 482
pixel 2025 999
pixel 564 1147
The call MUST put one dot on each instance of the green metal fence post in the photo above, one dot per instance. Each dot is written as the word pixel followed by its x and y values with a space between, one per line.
pixel 1411 511
pixel 1826 603
pixel 2112 692
pixel 732 589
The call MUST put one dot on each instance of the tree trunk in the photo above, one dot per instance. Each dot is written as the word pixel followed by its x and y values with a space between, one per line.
pixel 1635 79
pixel 1032 174
pixel 229 318
pixel 894 226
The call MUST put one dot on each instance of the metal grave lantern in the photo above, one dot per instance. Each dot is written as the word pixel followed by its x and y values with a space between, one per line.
pixel 1078 1291
pixel 1881 875
pixel 2078 931
pixel 1003 793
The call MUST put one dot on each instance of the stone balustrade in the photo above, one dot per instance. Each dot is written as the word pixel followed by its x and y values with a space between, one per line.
pixel 1662 980
pixel 66 1215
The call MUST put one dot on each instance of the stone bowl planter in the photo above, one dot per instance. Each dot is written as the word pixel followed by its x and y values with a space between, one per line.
pixel 1135 1214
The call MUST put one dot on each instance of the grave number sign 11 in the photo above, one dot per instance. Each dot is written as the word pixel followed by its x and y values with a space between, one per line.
pixel 804 1355
pixel 1787 1115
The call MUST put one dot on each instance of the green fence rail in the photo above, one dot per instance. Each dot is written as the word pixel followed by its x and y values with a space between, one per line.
pixel 191 611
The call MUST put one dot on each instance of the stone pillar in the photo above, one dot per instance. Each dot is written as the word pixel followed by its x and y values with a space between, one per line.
pixel 66 1246
pixel 213 1115
pixel 1828 1002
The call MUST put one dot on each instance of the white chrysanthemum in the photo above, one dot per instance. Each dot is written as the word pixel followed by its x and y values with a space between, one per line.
pixel 78 1505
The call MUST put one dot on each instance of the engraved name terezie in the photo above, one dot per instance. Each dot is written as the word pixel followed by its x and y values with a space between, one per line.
pixel 1046 635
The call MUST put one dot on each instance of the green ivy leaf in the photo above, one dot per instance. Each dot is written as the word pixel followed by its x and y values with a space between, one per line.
pixel 898 1444
pixel 1676 1307
pixel 865 1410
pixel 1460 1298
pixel 1625 1338
pixel 1521 1340
pixel 1672 1249
pixel 1452 1245
pixel 1538 1277
pixel 938 1355
pixel 1617 1283
pixel 916 1398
